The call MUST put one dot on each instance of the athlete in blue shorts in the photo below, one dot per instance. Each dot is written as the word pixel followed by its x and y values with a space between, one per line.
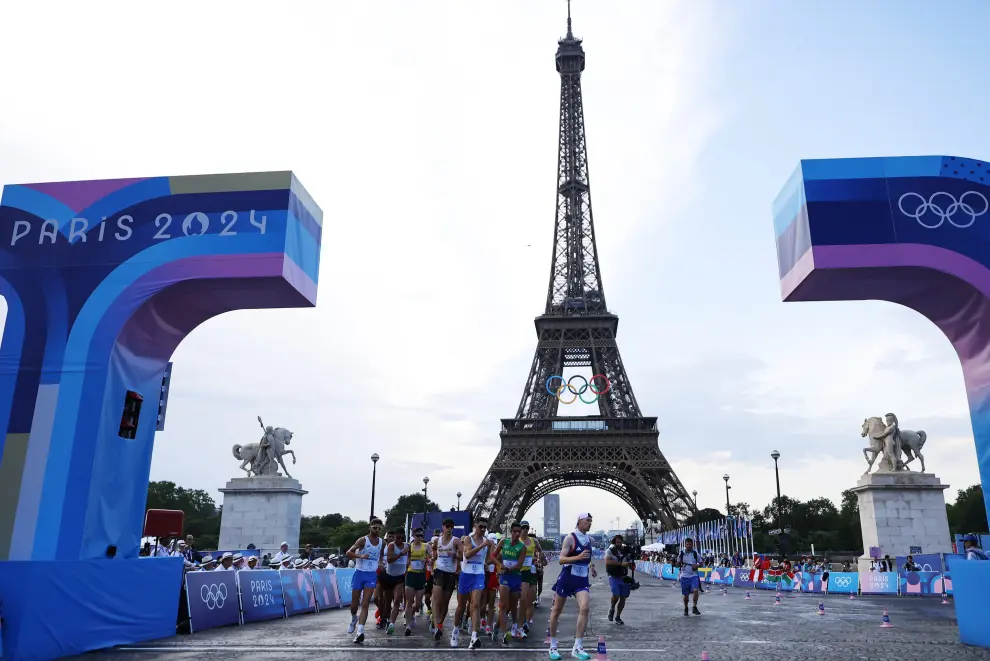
pixel 366 554
pixel 575 556
pixel 688 560
pixel 471 585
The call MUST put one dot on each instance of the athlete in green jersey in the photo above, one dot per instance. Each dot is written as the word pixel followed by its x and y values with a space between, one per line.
pixel 512 554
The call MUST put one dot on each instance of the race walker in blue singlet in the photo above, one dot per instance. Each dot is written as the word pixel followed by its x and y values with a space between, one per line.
pixel 575 557
pixel 366 554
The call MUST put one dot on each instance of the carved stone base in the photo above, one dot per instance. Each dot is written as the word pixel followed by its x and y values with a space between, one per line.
pixel 264 511
pixel 901 510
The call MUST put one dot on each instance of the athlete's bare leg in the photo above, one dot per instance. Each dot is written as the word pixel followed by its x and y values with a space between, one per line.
pixel 525 603
pixel 398 592
pixel 365 602
pixel 555 611
pixel 584 607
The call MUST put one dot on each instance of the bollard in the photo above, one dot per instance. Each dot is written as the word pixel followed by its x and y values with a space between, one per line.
pixel 885 622
pixel 852 595
pixel 945 599
pixel 776 600
pixel 602 653
pixel 704 656
pixel 747 595
pixel 821 607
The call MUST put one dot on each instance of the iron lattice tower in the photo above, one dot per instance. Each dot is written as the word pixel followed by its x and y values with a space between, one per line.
pixel 618 450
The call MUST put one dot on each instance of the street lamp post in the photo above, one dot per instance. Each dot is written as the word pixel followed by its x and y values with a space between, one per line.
pixel 725 477
pixel 374 471
pixel 458 501
pixel 426 501
pixel 776 455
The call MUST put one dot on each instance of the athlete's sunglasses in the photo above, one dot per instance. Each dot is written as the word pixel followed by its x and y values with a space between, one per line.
pixel 417 534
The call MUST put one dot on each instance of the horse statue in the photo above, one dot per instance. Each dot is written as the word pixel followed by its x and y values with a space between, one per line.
pixel 887 437
pixel 265 456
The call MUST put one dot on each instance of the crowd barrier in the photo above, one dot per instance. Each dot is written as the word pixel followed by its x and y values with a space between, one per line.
pixel 226 598
pixel 919 583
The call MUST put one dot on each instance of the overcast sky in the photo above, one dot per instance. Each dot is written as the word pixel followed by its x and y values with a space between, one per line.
pixel 427 132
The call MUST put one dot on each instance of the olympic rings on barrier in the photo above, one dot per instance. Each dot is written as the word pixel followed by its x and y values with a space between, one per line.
pixel 578 393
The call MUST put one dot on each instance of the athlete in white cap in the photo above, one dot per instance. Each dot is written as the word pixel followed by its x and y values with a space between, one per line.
pixel 575 556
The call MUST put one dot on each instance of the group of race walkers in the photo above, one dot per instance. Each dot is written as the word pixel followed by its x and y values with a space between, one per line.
pixel 488 574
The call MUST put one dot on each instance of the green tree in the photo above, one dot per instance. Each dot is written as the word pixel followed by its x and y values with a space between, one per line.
pixel 411 503
pixel 344 536
pixel 968 514
pixel 202 517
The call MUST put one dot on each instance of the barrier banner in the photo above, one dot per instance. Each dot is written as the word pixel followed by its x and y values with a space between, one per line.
pixel 297 590
pixel 740 579
pixel 706 574
pixel 842 582
pixel 261 595
pixel 920 582
pixel 668 572
pixel 810 582
pixel 344 578
pixel 325 587
pixel 877 582
pixel 927 562
pixel 212 599
pixel 947 560
pixel 721 576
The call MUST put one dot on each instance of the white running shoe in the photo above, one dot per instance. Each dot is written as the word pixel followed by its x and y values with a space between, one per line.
pixel 455 637
pixel 350 627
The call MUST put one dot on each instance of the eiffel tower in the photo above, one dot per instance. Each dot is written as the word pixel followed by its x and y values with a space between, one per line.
pixel 542 451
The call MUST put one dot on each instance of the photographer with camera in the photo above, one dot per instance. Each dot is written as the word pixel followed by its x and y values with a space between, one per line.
pixel 618 559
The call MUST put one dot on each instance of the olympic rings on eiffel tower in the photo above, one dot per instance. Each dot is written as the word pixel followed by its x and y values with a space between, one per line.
pixel 578 393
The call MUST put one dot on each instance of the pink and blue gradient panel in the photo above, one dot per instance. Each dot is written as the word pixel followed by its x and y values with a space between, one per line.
pixel 94 270
pixel 911 230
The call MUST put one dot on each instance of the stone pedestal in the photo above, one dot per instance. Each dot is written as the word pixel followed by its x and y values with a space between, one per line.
pixel 264 511
pixel 901 510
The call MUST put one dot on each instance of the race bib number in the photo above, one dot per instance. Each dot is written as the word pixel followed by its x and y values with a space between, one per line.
pixel 472 568
pixel 417 565
pixel 366 565
pixel 445 564
pixel 528 561
pixel 491 568
pixel 510 564
pixel 579 570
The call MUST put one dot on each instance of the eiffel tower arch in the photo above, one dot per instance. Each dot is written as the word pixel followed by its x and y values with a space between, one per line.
pixel 618 450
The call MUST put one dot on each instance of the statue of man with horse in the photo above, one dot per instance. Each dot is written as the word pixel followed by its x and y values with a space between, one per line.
pixel 887 437
pixel 265 457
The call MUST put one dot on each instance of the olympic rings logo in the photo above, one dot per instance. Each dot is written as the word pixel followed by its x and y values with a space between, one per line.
pixel 843 582
pixel 578 393
pixel 944 207
pixel 214 595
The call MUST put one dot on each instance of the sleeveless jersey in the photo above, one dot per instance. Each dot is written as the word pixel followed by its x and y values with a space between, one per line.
pixel 397 568
pixel 580 568
pixel 476 563
pixel 510 556
pixel 417 558
pixel 445 556
pixel 374 553
pixel 530 555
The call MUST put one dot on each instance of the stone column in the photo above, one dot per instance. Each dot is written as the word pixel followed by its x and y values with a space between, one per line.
pixel 901 510
pixel 264 511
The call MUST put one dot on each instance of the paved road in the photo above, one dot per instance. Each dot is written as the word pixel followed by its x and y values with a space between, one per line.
pixel 730 628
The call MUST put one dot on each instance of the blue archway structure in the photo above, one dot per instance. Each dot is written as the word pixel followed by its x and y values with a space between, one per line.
pixel 103 280
pixel 913 231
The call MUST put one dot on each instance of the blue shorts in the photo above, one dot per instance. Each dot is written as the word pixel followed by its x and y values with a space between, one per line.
pixel 364 580
pixel 619 587
pixel 568 585
pixel 469 583
pixel 511 581
pixel 689 584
